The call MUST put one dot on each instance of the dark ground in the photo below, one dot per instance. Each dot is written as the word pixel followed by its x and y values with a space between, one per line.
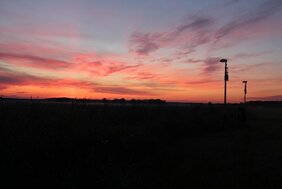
pixel 152 146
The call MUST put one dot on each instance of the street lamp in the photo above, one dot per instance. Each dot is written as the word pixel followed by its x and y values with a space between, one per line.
pixel 245 90
pixel 226 78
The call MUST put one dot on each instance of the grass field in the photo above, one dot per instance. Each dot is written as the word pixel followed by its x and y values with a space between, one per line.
pixel 48 145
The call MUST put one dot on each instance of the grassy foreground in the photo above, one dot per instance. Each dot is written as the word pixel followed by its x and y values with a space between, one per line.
pixel 152 146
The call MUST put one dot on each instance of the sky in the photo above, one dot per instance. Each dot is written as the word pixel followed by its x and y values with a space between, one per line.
pixel 149 49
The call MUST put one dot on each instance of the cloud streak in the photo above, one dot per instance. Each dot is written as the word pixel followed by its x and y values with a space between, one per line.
pixel 208 65
pixel 192 33
pixel 252 17
pixel 33 61
pixel 121 90
pixel 98 66
pixel 198 30
pixel 9 78
pixel 267 98
pixel 249 55
pixel 14 78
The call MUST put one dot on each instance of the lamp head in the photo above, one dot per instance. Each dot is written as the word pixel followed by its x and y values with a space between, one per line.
pixel 223 60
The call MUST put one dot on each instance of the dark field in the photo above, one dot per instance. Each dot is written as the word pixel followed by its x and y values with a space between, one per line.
pixel 152 146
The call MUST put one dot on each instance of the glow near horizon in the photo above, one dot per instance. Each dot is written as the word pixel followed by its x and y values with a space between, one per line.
pixel 140 49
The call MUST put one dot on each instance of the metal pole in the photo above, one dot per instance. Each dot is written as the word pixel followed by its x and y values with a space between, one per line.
pixel 225 75
pixel 245 91
pixel 244 98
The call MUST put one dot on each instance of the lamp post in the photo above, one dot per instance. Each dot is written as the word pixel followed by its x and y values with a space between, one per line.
pixel 245 90
pixel 226 77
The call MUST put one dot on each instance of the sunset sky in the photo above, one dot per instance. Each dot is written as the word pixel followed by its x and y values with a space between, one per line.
pixel 167 49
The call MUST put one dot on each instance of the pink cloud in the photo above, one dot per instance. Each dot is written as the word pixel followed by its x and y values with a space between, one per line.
pixel 102 66
pixel 202 82
pixel 208 65
pixel 143 76
pixel 99 68
pixel 211 65
pixel 88 63
pixel 33 61
pixel 197 30
pixel 12 78
pixel 191 34
pixel 143 44
pixel 250 17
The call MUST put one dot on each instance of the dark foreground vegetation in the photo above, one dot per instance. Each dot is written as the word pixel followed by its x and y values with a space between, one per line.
pixel 52 145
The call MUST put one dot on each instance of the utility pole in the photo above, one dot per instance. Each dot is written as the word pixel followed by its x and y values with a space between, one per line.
pixel 226 77
pixel 245 91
